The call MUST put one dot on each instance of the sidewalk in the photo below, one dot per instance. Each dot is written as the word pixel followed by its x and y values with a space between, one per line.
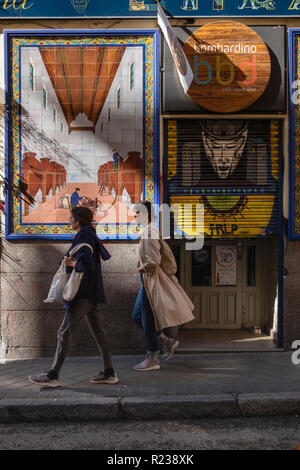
pixel 248 384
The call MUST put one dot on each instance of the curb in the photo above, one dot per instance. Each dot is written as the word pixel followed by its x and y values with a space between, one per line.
pixel 59 409
pixel 151 407
pixel 178 407
pixel 268 404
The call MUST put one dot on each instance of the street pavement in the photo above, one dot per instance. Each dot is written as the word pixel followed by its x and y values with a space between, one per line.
pixel 267 433
pixel 215 385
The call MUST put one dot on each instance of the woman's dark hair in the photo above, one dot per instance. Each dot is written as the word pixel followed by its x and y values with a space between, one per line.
pixel 142 206
pixel 83 215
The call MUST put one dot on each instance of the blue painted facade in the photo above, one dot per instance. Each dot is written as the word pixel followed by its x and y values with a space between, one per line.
pixel 146 8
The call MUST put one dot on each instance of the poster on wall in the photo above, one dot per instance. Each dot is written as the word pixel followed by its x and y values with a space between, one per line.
pixel 231 167
pixel 226 260
pixel 80 130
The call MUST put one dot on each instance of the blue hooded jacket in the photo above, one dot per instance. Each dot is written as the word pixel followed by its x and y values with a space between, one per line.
pixel 89 263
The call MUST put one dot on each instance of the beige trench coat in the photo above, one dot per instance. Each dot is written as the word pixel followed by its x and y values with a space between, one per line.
pixel 170 304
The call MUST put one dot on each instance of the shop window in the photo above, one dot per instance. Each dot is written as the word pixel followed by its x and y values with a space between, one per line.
pixel 251 265
pixel 201 267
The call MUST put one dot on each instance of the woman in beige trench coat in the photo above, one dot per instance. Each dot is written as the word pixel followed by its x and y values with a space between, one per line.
pixel 161 302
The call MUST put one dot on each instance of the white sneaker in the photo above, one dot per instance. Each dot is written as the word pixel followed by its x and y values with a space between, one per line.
pixel 151 362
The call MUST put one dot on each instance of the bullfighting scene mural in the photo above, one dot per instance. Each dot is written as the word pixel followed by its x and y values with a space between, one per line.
pixel 82 132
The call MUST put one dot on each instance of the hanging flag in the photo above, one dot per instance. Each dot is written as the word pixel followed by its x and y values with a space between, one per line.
pixel 182 65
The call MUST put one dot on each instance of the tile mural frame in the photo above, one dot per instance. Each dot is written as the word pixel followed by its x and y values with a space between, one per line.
pixel 148 39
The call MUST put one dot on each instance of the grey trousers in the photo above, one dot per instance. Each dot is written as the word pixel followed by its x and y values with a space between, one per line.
pixel 83 308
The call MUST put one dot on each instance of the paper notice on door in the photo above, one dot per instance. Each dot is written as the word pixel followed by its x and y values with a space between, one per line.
pixel 226 259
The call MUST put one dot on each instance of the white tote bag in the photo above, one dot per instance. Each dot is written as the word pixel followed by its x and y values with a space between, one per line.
pixel 63 281
pixel 74 281
pixel 58 284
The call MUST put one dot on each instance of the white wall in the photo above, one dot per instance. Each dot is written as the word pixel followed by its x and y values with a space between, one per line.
pixel 125 129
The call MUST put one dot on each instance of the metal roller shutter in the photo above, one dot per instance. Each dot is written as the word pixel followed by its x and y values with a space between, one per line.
pixel 229 166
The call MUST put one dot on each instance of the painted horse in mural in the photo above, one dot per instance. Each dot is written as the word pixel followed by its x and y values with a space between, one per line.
pixel 256 4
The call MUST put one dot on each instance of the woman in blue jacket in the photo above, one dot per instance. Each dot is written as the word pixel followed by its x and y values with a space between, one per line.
pixel 86 302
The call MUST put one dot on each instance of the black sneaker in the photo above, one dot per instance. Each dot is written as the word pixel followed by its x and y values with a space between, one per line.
pixel 44 380
pixel 106 377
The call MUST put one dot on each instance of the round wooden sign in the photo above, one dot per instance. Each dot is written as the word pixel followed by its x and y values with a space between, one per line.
pixel 231 66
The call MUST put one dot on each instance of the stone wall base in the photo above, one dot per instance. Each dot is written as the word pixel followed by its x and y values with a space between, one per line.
pixel 29 326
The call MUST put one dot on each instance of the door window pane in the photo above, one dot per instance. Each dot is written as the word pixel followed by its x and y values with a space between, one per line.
pixel 251 271
pixel 201 267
